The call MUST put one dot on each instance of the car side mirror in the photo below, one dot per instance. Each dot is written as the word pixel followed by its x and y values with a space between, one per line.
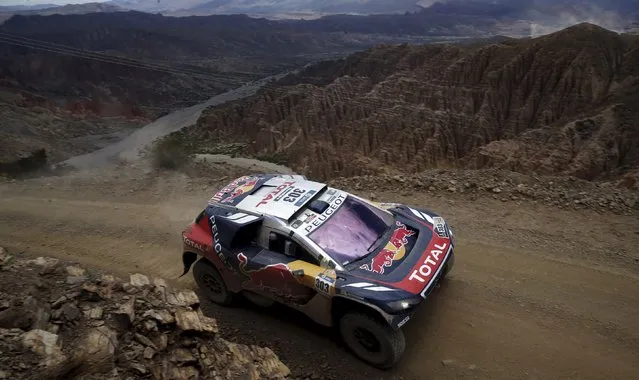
pixel 289 248
pixel 298 272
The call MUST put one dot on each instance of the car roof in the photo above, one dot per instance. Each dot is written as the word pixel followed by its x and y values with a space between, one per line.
pixel 277 195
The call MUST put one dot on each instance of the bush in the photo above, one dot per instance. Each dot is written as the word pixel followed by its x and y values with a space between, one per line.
pixel 36 161
pixel 169 153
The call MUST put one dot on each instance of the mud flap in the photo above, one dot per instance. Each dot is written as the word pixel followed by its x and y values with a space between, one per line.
pixel 188 258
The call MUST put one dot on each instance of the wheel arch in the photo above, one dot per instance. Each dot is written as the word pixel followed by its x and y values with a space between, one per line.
pixel 342 305
pixel 188 259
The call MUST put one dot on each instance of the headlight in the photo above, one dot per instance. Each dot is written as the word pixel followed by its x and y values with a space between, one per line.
pixel 404 304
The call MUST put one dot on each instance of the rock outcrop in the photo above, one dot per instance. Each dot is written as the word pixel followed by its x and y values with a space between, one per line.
pixel 565 103
pixel 59 321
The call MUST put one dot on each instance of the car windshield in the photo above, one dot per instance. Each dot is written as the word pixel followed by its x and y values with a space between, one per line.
pixel 352 231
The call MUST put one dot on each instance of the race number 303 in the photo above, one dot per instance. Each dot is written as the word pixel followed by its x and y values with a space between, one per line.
pixel 323 284
pixel 294 195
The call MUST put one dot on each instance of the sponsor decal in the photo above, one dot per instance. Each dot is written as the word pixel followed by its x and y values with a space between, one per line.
pixel 276 278
pixel 292 195
pixel 323 283
pixel 217 246
pixel 193 244
pixel 428 267
pixel 327 213
pixel 439 226
pixel 235 189
pixel 278 193
pixel 296 224
pixel 394 250
pixel 403 321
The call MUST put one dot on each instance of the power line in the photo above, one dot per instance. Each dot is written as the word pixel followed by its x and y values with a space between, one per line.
pixel 74 52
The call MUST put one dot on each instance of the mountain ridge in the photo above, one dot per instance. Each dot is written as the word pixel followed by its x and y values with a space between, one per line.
pixel 557 104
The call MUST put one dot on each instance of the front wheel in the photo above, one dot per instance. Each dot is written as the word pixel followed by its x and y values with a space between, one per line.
pixel 372 341
pixel 449 265
pixel 209 280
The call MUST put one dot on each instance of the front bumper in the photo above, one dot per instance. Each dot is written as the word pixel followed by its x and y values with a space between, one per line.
pixel 400 319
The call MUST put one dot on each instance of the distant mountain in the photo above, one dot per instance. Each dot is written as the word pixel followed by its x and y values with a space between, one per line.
pixel 268 7
pixel 69 9
pixel 12 8
pixel 516 9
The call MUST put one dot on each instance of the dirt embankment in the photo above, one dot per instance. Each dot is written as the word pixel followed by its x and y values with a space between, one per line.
pixel 537 291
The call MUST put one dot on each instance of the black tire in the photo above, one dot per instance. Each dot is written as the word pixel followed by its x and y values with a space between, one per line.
pixel 449 265
pixel 371 340
pixel 210 282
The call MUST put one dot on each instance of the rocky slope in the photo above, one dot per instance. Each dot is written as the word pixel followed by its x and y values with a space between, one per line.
pixel 61 321
pixel 563 104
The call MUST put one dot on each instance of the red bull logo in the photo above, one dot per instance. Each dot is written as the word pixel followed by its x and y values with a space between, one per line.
pixel 235 189
pixel 394 250
pixel 276 278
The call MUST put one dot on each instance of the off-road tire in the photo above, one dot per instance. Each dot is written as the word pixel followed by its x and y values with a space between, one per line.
pixel 210 282
pixel 449 266
pixel 391 343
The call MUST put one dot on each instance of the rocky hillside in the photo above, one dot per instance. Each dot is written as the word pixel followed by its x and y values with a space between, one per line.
pixel 61 321
pixel 565 103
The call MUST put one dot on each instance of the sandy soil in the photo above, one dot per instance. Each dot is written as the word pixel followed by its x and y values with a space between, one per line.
pixel 536 293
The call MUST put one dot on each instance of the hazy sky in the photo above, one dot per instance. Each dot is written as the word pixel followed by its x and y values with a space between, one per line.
pixel 59 2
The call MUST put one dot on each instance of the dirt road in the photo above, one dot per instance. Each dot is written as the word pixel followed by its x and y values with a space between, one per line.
pixel 536 293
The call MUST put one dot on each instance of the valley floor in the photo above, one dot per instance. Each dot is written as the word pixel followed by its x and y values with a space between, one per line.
pixel 536 293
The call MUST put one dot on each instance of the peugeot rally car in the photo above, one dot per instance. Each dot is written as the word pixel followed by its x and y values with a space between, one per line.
pixel 344 261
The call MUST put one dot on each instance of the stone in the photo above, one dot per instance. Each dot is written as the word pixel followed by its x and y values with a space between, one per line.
pixel 4 256
pixel 101 343
pixel 182 298
pixel 96 312
pixel 195 321
pixel 141 369
pixel 139 280
pixel 125 315
pixel 74 280
pixel 150 325
pixel 148 353
pixel 161 342
pixel 162 316
pixel 45 344
pixel 90 293
pixel 59 302
pixel 45 261
pixel 69 312
pixel 106 279
pixel 160 283
pixel 187 320
pixel 447 362
pixel 182 356
pixel 144 340
pixel 75 271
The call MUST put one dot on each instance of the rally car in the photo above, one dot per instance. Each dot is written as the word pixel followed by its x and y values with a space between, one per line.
pixel 346 262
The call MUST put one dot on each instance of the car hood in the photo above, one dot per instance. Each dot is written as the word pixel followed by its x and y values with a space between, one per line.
pixel 414 252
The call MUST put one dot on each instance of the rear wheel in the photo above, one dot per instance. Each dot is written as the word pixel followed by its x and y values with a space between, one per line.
pixel 371 340
pixel 209 280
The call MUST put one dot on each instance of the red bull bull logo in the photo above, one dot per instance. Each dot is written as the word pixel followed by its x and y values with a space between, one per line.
pixel 235 189
pixel 276 278
pixel 394 250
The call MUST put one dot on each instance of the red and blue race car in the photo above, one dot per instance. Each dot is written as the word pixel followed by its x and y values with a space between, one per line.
pixel 360 266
